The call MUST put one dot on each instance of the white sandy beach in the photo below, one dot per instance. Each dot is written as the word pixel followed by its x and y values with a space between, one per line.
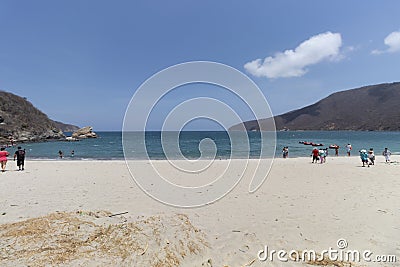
pixel 301 206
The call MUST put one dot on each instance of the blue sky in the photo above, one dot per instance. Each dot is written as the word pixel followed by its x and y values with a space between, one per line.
pixel 81 61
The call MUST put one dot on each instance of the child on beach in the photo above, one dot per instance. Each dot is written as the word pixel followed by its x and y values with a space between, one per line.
pixel 3 158
pixel 364 157
pixel 386 153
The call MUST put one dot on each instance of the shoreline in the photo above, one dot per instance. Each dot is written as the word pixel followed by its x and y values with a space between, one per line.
pixel 109 146
pixel 77 159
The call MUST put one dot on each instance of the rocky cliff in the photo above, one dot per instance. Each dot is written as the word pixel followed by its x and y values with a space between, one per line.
pixel 20 120
pixel 65 127
pixel 369 108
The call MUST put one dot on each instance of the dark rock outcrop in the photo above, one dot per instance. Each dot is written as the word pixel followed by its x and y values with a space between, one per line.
pixel 369 108
pixel 21 121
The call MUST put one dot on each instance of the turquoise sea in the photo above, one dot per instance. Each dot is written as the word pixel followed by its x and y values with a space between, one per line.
pixel 109 145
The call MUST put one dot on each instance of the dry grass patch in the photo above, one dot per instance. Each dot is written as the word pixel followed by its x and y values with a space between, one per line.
pixel 76 238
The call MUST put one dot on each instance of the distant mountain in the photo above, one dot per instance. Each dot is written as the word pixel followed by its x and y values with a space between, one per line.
pixel 66 127
pixel 23 122
pixel 369 108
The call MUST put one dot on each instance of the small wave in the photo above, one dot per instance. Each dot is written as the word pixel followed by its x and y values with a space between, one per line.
pixel 42 159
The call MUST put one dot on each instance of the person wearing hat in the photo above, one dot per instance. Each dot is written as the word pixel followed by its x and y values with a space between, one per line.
pixel 364 157
pixel 20 156
pixel 371 156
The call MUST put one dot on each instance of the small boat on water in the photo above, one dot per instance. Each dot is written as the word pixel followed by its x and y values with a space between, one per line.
pixel 310 143
pixel 314 144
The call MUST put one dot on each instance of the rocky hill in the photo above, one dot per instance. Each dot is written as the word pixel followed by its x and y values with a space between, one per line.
pixel 66 127
pixel 23 122
pixel 369 108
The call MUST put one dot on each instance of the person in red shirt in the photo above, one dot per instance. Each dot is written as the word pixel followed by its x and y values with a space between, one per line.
pixel 3 159
pixel 315 154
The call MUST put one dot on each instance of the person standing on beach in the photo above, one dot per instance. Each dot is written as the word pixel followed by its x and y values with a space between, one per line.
pixel 285 152
pixel 371 156
pixel 60 154
pixel 364 157
pixel 3 158
pixel 348 149
pixel 336 151
pixel 322 155
pixel 20 156
pixel 315 154
pixel 386 153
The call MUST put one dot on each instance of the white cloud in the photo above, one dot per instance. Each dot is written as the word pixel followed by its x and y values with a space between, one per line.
pixel 293 63
pixel 393 43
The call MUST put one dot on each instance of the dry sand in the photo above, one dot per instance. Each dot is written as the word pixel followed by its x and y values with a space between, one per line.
pixel 56 213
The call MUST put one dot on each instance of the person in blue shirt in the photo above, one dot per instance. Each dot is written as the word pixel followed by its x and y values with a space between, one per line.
pixel 364 157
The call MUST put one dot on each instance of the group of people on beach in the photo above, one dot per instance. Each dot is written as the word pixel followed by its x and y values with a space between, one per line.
pixel 319 155
pixel 368 158
pixel 19 155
